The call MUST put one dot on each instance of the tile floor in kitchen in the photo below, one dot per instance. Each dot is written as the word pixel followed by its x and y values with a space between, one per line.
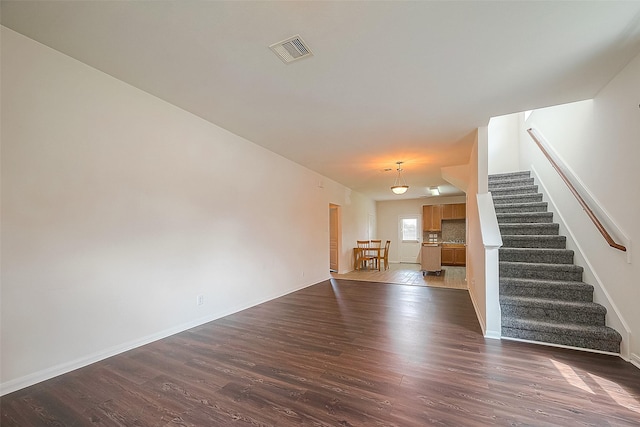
pixel 410 274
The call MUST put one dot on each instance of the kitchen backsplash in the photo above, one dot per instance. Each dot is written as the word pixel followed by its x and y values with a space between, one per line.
pixel 453 230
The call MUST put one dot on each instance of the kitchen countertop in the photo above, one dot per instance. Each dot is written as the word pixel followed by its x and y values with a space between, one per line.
pixel 447 244
pixel 454 245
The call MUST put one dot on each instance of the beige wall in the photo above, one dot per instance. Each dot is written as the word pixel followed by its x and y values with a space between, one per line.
pixel 475 247
pixel 119 210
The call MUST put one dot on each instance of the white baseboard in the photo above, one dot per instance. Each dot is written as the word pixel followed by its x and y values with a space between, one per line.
pixel 634 359
pixel 494 335
pixel 478 312
pixel 547 344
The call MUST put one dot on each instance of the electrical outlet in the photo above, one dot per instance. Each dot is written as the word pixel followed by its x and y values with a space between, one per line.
pixel 200 300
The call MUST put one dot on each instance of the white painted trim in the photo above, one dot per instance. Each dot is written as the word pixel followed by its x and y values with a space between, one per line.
pixel 485 333
pixel 626 334
pixel 418 241
pixel 63 368
pixel 478 312
pixel 493 335
pixel 634 359
pixel 568 347
pixel 489 228
pixel 492 241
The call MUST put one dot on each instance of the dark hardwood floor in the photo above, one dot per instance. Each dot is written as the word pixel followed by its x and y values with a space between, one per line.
pixel 339 353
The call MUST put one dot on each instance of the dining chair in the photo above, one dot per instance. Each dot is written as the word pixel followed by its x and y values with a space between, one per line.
pixel 375 244
pixel 385 255
pixel 363 256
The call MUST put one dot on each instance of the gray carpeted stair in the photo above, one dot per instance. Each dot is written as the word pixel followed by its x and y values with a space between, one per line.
pixel 542 296
pixel 541 255
pixel 529 207
pixel 522 241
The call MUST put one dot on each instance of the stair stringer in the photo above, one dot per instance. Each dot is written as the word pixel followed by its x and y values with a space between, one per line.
pixel 614 318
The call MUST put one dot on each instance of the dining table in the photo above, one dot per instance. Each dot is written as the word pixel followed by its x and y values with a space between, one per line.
pixel 376 253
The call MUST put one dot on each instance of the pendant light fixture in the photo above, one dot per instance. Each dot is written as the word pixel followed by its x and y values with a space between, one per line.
pixel 400 185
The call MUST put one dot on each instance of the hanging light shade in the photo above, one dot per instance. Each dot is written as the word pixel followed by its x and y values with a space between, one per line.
pixel 399 186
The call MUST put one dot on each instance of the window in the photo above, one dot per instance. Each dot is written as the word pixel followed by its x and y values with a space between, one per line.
pixel 409 229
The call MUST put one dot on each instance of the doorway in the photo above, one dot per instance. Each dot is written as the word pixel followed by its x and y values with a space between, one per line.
pixel 410 238
pixel 334 237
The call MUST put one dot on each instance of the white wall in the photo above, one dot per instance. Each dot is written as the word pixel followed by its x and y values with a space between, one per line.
pixel 504 151
pixel 355 211
pixel 389 212
pixel 119 209
pixel 598 140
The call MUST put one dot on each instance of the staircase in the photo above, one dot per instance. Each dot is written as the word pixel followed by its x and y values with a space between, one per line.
pixel 542 296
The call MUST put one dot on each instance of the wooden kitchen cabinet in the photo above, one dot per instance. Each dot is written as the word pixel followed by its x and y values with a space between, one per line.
pixel 460 256
pixel 432 218
pixel 454 255
pixel 447 256
pixel 454 211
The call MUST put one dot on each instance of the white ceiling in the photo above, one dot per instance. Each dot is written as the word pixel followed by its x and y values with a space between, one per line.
pixel 389 81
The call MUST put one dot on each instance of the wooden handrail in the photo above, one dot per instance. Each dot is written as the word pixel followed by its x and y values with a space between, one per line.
pixel 584 205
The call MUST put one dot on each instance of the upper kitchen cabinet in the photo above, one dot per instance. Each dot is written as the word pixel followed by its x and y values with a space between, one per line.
pixel 432 218
pixel 454 211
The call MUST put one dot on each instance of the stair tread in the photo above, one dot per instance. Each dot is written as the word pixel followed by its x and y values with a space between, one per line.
pixel 504 183
pixel 524 204
pixel 507 197
pixel 544 282
pixel 510 174
pixel 518 214
pixel 524 218
pixel 550 266
pixel 534 236
pixel 550 255
pixel 527 224
pixel 558 250
pixel 578 329
pixel 524 207
pixel 525 187
pixel 553 303
pixel 539 236
pixel 530 226
pixel 511 208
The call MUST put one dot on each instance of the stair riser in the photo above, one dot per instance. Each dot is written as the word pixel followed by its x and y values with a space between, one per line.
pixel 553 315
pixel 521 208
pixel 552 242
pixel 526 198
pixel 524 218
pixel 538 256
pixel 541 273
pixel 509 176
pixel 522 182
pixel 512 191
pixel 529 229
pixel 556 292
pixel 568 340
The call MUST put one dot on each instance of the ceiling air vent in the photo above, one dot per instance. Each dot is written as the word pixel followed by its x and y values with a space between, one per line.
pixel 291 49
